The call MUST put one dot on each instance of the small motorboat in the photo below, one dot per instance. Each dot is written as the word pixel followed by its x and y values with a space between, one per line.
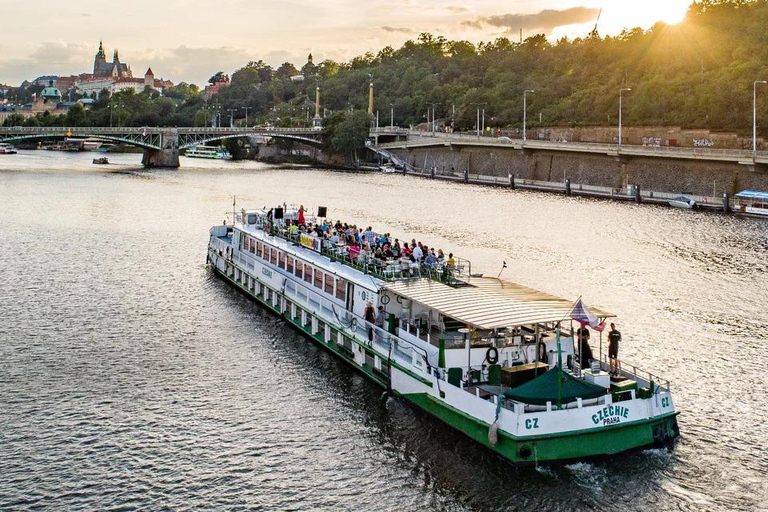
pixel 101 161
pixel 7 149
pixel 682 201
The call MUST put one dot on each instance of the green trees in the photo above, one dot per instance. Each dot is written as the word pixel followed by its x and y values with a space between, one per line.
pixel 345 133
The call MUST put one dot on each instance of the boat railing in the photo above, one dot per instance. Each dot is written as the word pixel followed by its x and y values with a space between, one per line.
pixel 389 346
pixel 370 265
pixel 632 371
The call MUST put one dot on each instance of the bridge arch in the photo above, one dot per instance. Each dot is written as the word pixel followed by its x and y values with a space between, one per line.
pixel 152 141
pixel 187 141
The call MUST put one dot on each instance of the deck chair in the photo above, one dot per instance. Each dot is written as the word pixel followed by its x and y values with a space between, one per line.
pixel 454 376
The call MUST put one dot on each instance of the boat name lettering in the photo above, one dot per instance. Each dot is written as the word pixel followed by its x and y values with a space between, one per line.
pixel 310 242
pixel 665 401
pixel 266 272
pixel 610 414
pixel 532 423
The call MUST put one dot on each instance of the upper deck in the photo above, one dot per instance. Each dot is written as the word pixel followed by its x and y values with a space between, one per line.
pixel 378 255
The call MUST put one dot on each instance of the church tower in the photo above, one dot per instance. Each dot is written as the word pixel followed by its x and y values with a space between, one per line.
pixel 149 79
pixel 100 59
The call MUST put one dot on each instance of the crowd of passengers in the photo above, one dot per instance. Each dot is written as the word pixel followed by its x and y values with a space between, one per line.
pixel 363 245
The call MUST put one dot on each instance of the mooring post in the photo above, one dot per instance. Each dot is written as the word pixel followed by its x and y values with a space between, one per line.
pixel 726 202
pixel 511 180
pixel 568 186
pixel 466 176
pixel 637 194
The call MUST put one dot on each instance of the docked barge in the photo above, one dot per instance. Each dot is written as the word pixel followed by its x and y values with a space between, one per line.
pixel 493 359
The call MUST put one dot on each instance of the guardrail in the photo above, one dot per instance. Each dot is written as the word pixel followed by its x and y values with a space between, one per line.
pixel 734 155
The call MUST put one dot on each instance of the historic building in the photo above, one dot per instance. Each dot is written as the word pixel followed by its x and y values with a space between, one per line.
pixel 114 69
pixel 116 76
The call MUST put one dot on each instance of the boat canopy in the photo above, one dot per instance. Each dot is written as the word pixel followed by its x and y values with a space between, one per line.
pixel 488 303
pixel 752 194
pixel 544 389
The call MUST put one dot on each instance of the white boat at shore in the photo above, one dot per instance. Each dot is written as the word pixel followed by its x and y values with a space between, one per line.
pixel 682 201
pixel 209 152
pixel 753 202
pixel 7 149
pixel 493 359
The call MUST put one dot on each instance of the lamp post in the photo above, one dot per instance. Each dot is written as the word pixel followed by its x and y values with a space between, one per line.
pixel 391 114
pixel 246 115
pixel 621 91
pixel 231 117
pixel 754 115
pixel 432 126
pixel 525 112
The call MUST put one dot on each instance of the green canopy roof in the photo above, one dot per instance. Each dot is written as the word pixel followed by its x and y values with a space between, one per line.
pixel 543 389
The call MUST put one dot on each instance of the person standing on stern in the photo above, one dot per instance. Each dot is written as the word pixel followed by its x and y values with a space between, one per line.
pixel 614 337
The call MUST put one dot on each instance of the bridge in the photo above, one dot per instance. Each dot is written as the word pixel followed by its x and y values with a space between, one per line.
pixel 161 145
pixel 426 140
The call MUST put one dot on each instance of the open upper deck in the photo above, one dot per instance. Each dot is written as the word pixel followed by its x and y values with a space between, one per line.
pixel 375 254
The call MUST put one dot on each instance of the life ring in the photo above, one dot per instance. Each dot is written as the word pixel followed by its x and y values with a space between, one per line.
pixel 385 299
pixel 353 325
pixel 492 355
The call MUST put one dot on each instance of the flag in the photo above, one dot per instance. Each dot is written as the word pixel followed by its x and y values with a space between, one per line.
pixel 34 97
pixel 584 316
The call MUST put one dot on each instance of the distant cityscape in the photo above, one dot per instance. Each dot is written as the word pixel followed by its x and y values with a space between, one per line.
pixel 56 94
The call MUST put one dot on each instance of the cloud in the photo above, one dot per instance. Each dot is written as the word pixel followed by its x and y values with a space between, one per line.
pixel 401 30
pixel 545 20
pixel 456 9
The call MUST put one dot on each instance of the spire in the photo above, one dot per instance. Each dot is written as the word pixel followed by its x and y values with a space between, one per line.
pixel 115 57
pixel 309 59
pixel 101 47
pixel 149 72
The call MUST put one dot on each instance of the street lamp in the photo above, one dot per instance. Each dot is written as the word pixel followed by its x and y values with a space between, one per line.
pixel 392 114
pixel 754 115
pixel 525 106
pixel 621 91
pixel 246 115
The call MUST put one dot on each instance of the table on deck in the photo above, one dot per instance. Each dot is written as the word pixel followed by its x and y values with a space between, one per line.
pixel 514 376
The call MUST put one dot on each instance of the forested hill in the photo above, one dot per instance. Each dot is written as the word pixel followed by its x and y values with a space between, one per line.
pixel 698 73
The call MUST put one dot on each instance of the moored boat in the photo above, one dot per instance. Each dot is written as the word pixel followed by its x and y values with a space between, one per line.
pixel 753 202
pixel 682 201
pixel 491 358
pixel 7 149
pixel 209 152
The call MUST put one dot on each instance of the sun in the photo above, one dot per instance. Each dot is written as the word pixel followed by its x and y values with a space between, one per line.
pixel 673 13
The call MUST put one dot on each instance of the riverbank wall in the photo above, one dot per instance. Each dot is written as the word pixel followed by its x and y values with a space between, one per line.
pixel 667 175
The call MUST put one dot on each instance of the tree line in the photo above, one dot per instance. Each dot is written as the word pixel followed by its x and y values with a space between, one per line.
pixel 697 74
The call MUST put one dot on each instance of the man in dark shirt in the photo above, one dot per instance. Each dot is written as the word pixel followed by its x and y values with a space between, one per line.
pixel 614 337
pixel 585 351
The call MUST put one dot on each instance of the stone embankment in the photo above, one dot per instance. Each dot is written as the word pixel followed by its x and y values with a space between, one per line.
pixel 698 177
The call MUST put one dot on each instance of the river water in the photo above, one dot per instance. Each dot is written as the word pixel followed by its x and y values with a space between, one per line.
pixel 133 378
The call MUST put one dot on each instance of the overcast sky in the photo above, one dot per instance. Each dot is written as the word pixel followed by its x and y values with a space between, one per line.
pixel 192 39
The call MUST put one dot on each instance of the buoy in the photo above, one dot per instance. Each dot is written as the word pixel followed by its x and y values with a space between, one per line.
pixel 493 433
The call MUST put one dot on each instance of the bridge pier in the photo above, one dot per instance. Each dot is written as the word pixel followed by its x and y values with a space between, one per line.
pixel 168 156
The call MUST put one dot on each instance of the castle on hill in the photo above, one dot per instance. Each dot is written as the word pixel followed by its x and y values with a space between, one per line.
pixel 114 69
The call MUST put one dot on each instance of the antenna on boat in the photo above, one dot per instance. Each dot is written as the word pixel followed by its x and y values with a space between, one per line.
pixel 503 266
pixel 234 209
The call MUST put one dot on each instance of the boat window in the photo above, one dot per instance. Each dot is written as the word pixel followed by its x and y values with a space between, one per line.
pixel 299 269
pixel 281 259
pixel 318 279
pixel 252 247
pixel 341 289
pixel 273 256
pixel 258 249
pixel 308 273
pixel 329 284
pixel 252 218
pixel 289 264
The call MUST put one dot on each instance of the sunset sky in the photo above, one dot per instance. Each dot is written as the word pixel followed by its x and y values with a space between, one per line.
pixel 191 40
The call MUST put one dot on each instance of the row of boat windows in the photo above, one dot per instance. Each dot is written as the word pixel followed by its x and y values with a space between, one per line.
pixel 319 279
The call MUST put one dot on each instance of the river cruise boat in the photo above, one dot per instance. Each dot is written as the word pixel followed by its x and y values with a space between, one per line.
pixel 753 202
pixel 493 359
pixel 7 149
pixel 209 152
